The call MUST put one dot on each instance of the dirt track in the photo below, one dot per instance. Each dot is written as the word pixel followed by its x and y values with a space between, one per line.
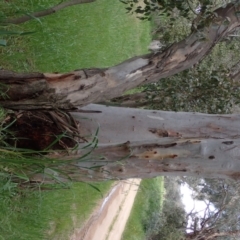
pixel 109 219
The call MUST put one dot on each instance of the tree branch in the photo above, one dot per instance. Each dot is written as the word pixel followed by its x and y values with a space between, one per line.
pixel 48 11
pixel 81 87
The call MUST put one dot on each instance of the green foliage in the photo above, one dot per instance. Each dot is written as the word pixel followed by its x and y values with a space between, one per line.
pixel 151 215
pixel 171 8
pixel 205 88
pixel 200 90
pixel 145 216
pixel 172 224
pixel 170 33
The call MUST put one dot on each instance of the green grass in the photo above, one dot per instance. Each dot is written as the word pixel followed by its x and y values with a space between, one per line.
pixel 149 200
pixel 99 34
pixel 51 214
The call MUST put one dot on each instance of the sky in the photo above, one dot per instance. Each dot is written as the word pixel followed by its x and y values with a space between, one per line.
pixel 190 203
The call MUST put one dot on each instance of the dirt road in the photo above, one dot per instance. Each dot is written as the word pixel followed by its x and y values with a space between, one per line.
pixel 109 220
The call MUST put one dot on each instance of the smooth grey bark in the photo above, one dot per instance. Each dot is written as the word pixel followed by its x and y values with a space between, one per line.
pixel 48 11
pixel 85 86
pixel 145 143
pixel 119 125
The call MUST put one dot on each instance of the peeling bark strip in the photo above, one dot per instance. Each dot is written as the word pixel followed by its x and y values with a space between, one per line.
pixel 206 145
pixel 48 11
pixel 81 87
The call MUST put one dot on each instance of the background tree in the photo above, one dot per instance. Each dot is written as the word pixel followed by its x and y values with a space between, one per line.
pixel 220 219
pixel 172 219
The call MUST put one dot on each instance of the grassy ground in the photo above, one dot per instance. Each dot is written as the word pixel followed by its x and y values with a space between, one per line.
pixel 148 203
pixel 51 214
pixel 93 35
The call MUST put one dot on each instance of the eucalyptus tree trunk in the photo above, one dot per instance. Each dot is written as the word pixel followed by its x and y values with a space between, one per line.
pixel 125 143
pixel 145 143
pixel 81 87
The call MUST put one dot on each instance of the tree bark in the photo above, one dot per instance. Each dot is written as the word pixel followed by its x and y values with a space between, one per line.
pixel 145 143
pixel 81 87
pixel 46 12
pixel 133 142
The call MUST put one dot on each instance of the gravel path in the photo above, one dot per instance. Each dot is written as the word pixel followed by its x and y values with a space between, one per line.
pixel 109 219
